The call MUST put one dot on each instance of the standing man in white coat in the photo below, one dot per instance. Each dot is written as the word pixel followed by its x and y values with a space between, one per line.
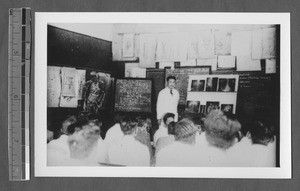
pixel 167 100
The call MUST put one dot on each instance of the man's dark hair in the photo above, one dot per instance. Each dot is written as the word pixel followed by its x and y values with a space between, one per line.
pixel 167 115
pixel 128 124
pixel 171 77
pixel 171 128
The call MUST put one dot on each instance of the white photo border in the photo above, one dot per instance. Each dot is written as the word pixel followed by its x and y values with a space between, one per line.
pixel 40 93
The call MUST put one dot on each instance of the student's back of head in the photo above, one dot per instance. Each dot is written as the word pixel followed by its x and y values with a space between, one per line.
pixel 221 129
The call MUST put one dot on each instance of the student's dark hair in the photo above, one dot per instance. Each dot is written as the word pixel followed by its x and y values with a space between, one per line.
pixel 128 124
pixel 171 128
pixel 171 77
pixel 261 132
pixel 167 115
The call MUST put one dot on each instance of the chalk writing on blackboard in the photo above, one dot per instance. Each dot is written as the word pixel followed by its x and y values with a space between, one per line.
pixel 133 95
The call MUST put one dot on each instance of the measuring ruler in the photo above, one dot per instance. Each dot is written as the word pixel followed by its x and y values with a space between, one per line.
pixel 19 57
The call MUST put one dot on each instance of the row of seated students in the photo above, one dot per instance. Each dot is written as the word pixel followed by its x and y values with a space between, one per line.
pixel 214 140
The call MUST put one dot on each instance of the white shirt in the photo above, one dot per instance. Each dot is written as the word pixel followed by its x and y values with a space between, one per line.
pixel 58 153
pixel 114 135
pixel 161 132
pixel 129 152
pixel 178 155
pixel 58 150
pixel 246 154
pixel 167 103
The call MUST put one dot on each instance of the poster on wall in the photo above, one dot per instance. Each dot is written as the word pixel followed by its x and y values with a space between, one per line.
pixel 128 45
pixel 54 86
pixel 68 82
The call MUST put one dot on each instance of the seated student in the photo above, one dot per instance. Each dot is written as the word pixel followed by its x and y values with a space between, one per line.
pixel 163 127
pixel 129 151
pixel 257 148
pixel 60 146
pixel 221 130
pixel 142 134
pixel 84 146
pixel 165 141
pixel 114 134
pixel 182 152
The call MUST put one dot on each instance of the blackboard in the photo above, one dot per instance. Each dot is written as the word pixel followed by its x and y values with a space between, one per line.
pixel 182 75
pixel 258 95
pixel 158 77
pixel 133 95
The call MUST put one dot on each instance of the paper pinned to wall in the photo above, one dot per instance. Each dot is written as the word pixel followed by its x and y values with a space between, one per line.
pixel 208 62
pixel 70 101
pixel 222 43
pixel 270 66
pixel 117 47
pixel 192 46
pixel 138 73
pixel 68 81
pixel 129 67
pixel 128 45
pixel 241 43
pixel 166 64
pixel 147 46
pixel 53 86
pixel 269 43
pixel 206 44
pixel 80 76
pixel 257 43
pixel 244 63
pixel 164 50
pixel 226 61
pixel 190 62
pixel 180 46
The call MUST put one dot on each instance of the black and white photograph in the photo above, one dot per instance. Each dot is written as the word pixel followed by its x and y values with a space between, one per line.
pixel 226 85
pixel 227 107
pixel 95 120
pixel 192 106
pixel 212 105
pixel 195 85
pixel 211 84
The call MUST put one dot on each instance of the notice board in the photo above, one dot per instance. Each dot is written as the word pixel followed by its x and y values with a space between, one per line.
pixel 133 95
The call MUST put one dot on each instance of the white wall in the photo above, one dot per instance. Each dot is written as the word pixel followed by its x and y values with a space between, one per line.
pixel 97 30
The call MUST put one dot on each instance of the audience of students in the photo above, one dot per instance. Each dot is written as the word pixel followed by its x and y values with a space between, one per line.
pixel 214 140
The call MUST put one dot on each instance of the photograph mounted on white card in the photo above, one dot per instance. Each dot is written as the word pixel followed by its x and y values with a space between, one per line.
pixel 128 45
pixel 226 62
